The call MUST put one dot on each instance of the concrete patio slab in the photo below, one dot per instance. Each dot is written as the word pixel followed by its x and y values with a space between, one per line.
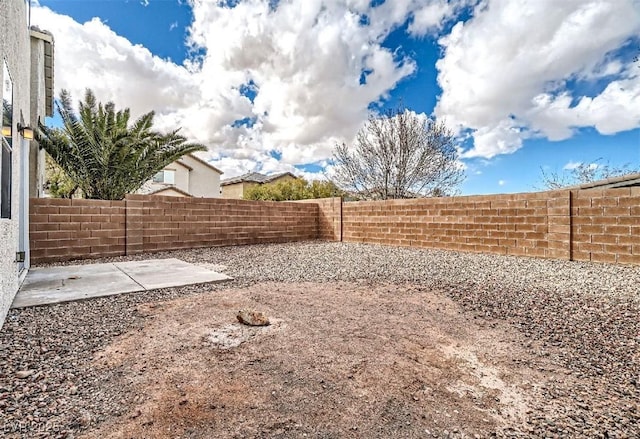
pixel 49 285
pixel 163 273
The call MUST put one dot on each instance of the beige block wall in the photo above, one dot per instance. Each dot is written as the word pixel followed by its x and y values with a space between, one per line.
pixel 78 229
pixel 63 229
pixel 599 226
pixel 534 224
pixel 605 225
pixel 329 217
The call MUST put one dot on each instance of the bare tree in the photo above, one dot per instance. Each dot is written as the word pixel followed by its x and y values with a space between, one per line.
pixel 584 173
pixel 399 155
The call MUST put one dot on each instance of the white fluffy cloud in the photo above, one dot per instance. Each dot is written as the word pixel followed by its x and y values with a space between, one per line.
pixel 92 55
pixel 431 16
pixel 304 59
pixel 504 71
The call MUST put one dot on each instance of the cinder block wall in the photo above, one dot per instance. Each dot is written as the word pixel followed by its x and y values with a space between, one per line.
pixel 536 224
pixel 61 229
pixel 169 223
pixel 589 225
pixel 605 225
pixel 329 218
pixel 74 229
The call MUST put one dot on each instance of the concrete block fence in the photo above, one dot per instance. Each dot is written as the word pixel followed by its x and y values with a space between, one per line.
pixel 587 225
pixel 534 224
pixel 76 229
pixel 62 229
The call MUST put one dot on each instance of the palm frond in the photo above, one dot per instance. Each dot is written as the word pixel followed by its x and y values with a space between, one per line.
pixel 105 156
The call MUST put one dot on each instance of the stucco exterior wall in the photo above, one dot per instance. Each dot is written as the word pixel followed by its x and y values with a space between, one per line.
pixel 191 176
pixel 282 179
pixel 236 190
pixel 203 180
pixel 182 176
pixel 14 48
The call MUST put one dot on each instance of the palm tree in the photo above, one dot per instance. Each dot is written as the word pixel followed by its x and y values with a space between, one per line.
pixel 105 156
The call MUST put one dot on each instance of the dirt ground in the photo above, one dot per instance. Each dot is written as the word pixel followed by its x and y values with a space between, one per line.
pixel 339 360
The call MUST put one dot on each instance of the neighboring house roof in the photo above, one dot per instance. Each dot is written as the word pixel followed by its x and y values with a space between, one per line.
pixel 170 189
pixel 205 163
pixel 182 164
pixel 255 177
pixel 629 180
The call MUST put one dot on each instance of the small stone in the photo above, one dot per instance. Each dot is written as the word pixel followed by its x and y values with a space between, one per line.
pixel 253 318
pixel 22 374
pixel 84 418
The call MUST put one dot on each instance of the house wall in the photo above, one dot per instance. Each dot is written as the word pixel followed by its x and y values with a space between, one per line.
pixel 236 191
pixel 282 178
pixel 181 180
pixel 14 48
pixel 182 176
pixel 204 181
pixel 200 181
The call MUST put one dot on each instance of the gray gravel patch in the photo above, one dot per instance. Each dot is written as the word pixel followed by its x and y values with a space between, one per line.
pixel 583 317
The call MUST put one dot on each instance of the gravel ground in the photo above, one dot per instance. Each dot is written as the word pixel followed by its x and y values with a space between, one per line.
pixel 581 317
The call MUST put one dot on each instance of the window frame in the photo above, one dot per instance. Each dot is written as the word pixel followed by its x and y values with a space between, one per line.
pixel 161 177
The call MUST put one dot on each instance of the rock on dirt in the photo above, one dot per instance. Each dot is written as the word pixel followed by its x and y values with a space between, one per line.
pixel 252 318
pixel 22 374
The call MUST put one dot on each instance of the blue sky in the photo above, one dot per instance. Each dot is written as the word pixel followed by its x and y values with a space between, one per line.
pixel 273 86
